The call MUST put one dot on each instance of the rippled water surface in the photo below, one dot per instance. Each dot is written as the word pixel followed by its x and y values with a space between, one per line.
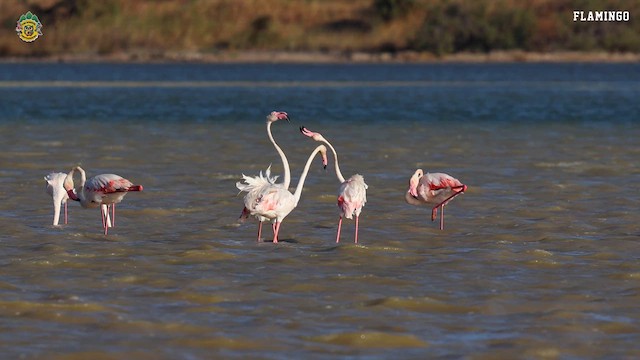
pixel 539 259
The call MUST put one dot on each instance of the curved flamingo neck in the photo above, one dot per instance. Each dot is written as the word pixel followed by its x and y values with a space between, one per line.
pixel 335 157
pixel 283 157
pixel 303 177
pixel 83 180
pixel 411 200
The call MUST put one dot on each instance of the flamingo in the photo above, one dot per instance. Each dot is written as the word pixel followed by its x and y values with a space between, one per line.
pixel 55 188
pixel 436 188
pixel 257 183
pixel 274 201
pixel 104 191
pixel 352 194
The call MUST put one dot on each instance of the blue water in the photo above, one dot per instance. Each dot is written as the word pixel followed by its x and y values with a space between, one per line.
pixel 434 92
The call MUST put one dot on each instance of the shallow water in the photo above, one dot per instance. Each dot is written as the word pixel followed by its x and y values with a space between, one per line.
pixel 537 260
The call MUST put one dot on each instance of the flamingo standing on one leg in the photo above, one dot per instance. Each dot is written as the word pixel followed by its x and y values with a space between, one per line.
pixel 255 184
pixel 436 188
pixel 352 194
pixel 275 202
pixel 104 191
pixel 56 189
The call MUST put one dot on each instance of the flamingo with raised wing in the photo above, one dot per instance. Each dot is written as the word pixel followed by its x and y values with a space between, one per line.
pixel 352 194
pixel 430 189
pixel 275 202
pixel 55 189
pixel 103 191
pixel 255 185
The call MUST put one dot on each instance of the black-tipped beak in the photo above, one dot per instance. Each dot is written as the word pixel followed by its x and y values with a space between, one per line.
pixel 302 129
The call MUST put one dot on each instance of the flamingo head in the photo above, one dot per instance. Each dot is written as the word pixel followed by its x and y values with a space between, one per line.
pixel 323 152
pixel 277 115
pixel 414 181
pixel 314 135
pixel 69 186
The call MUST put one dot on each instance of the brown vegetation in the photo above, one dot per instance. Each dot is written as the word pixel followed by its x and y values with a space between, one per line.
pixel 408 29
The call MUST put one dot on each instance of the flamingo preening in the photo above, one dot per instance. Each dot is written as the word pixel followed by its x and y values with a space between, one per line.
pixel 274 201
pixel 436 188
pixel 104 191
pixel 56 190
pixel 352 194
pixel 255 185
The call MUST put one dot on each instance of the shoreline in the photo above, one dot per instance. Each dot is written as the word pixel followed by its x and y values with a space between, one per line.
pixel 401 57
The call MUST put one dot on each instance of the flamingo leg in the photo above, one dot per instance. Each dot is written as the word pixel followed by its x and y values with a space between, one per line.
pixel 356 236
pixel 65 213
pixel 339 228
pixel 276 230
pixel 259 230
pixel 104 212
pixel 113 215
pixel 458 190
pixel 106 220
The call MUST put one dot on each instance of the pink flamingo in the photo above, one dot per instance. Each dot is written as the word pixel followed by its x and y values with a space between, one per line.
pixel 436 188
pixel 275 202
pixel 352 194
pixel 104 191
pixel 56 190
pixel 255 185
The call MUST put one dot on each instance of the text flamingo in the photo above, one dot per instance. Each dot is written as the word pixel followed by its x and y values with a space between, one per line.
pixel 275 202
pixel 436 188
pixel 352 194
pixel 104 191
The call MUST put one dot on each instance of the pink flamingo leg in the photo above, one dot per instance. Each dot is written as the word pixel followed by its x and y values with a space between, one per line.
pixel 104 219
pixel 459 190
pixel 276 230
pixel 259 230
pixel 356 237
pixel 113 215
pixel 65 213
pixel 339 227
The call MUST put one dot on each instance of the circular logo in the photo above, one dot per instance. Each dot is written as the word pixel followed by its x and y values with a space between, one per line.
pixel 29 27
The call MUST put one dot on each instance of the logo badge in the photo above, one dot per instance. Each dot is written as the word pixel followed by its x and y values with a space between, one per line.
pixel 29 27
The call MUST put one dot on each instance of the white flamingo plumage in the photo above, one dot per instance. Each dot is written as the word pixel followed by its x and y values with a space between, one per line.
pixel 430 189
pixel 103 191
pixel 254 185
pixel 55 189
pixel 352 194
pixel 275 202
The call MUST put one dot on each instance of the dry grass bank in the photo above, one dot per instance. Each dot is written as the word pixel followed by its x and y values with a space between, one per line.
pixel 333 30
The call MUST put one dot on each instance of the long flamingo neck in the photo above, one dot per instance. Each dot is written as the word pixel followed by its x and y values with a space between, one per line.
pixel 283 157
pixel 303 177
pixel 335 157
